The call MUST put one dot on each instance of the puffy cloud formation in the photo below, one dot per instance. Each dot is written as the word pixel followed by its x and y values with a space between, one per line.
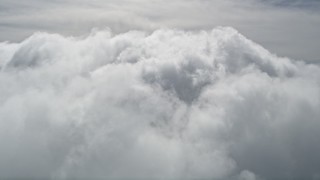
pixel 171 105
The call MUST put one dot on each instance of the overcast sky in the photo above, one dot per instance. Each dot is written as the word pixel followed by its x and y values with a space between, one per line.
pixel 286 27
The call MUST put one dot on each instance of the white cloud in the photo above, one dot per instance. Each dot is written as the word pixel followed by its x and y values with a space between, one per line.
pixel 170 104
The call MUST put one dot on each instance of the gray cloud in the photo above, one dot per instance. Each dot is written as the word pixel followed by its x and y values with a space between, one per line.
pixel 169 104
pixel 287 28
pixel 311 4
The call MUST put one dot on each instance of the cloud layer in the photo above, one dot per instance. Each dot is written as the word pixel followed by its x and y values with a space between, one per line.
pixel 170 104
pixel 286 27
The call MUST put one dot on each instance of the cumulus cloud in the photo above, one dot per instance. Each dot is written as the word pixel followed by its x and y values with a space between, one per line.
pixel 167 104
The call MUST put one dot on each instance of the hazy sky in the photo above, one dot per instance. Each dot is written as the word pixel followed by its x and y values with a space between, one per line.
pixel 286 27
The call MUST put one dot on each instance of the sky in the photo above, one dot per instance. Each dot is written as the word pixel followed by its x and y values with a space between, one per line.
pixel 286 27
pixel 136 89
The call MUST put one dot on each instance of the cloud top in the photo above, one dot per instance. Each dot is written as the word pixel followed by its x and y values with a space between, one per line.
pixel 170 104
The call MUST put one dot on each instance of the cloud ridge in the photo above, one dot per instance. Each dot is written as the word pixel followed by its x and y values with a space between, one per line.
pixel 170 104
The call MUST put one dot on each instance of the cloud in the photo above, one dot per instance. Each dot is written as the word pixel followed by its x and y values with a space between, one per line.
pixel 169 104
pixel 295 3
pixel 287 28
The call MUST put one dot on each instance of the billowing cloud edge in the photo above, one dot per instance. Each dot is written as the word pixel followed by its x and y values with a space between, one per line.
pixel 171 104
